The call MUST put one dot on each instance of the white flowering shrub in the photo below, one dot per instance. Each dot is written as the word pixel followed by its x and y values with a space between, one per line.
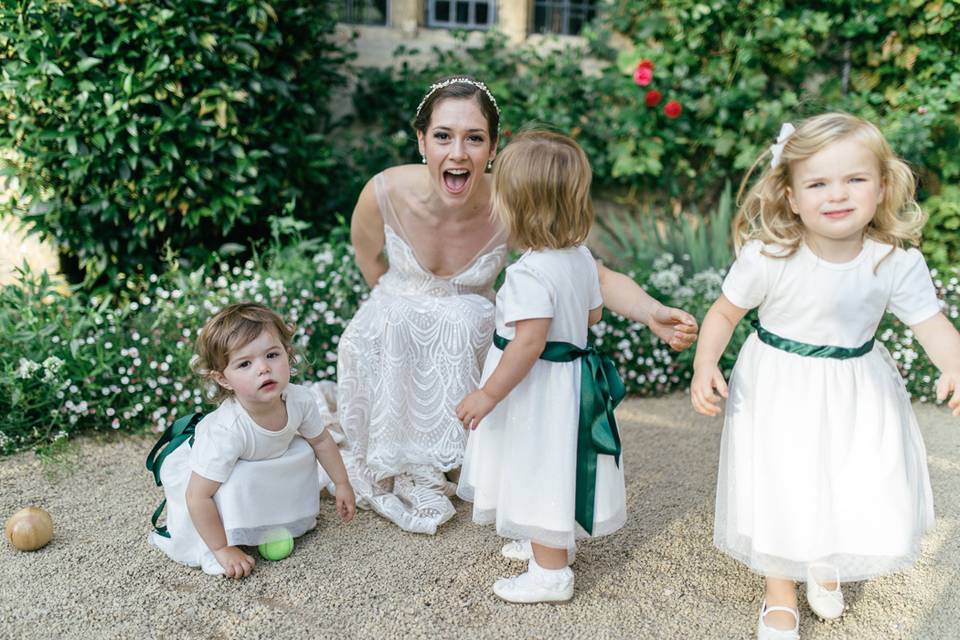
pixel 75 363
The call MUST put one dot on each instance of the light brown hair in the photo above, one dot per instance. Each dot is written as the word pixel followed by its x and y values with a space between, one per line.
pixel 765 214
pixel 232 328
pixel 541 191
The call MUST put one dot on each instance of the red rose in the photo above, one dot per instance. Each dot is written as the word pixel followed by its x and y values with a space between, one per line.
pixel 643 75
pixel 672 109
pixel 507 133
pixel 653 98
pixel 647 64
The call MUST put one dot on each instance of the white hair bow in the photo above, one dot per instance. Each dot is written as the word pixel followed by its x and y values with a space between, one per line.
pixel 776 150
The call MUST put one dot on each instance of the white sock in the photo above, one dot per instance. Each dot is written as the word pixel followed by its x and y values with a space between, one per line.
pixel 549 574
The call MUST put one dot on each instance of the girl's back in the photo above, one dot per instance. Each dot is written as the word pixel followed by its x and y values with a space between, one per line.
pixel 562 284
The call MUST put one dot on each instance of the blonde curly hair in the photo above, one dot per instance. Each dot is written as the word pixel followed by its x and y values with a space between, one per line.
pixel 765 213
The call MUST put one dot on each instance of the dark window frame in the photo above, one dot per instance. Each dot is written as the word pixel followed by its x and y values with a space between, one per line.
pixel 588 9
pixel 356 12
pixel 432 22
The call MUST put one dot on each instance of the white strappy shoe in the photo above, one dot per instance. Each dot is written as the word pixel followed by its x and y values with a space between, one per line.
pixel 826 603
pixel 770 633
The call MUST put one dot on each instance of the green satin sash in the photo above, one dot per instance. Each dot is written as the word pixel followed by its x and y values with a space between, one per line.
pixel 601 390
pixel 811 350
pixel 182 430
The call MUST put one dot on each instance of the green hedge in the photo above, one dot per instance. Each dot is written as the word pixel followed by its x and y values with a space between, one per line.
pixel 148 123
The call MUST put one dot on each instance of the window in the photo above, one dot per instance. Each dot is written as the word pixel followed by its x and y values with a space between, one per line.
pixel 562 16
pixel 460 14
pixel 362 11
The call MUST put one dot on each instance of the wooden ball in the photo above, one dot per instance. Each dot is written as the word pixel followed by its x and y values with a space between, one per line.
pixel 29 529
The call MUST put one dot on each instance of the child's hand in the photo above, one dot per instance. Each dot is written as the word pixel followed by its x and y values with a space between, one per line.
pixel 706 384
pixel 674 326
pixel 235 563
pixel 346 502
pixel 950 382
pixel 474 408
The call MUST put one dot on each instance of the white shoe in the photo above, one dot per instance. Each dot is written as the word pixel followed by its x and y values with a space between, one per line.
pixel 517 550
pixel 826 603
pixel 770 633
pixel 536 585
pixel 521 550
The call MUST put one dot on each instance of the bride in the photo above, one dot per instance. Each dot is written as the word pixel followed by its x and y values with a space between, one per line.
pixel 428 247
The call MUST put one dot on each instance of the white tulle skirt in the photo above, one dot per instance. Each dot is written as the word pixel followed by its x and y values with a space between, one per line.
pixel 259 499
pixel 520 466
pixel 821 460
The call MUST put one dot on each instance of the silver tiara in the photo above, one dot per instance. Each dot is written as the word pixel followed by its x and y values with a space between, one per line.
pixel 447 83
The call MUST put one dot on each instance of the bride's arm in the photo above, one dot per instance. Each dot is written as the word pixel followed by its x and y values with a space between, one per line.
pixel 625 297
pixel 366 235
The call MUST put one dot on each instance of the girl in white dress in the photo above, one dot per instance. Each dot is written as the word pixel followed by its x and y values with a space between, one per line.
pixel 250 476
pixel 823 474
pixel 528 466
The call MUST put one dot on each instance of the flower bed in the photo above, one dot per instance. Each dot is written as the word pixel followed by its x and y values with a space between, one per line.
pixel 79 364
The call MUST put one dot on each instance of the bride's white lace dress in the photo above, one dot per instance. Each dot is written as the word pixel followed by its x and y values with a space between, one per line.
pixel 409 356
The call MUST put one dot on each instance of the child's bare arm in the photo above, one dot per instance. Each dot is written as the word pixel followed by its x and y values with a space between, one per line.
pixel 941 341
pixel 206 520
pixel 718 326
pixel 625 297
pixel 332 462
pixel 517 360
pixel 595 315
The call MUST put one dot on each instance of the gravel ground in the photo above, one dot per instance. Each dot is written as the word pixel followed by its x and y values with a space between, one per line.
pixel 659 577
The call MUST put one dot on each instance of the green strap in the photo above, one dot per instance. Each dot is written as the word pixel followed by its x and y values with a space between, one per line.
pixel 811 350
pixel 173 436
pixel 601 390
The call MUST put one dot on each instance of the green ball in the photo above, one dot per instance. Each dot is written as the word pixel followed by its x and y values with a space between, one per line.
pixel 277 549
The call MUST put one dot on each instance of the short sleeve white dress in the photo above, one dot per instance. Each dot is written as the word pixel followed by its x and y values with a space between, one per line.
pixel 519 469
pixel 821 458
pixel 270 479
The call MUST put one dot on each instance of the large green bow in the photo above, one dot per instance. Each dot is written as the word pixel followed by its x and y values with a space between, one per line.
pixel 601 390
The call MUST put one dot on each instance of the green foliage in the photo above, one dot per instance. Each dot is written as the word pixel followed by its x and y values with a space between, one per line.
pixel 737 70
pixel 941 234
pixel 145 123
pixel 701 242
pixel 78 363
pixel 742 69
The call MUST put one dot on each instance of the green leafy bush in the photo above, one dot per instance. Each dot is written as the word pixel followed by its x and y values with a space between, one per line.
pixel 941 234
pixel 137 124
pixel 734 71
pixel 78 363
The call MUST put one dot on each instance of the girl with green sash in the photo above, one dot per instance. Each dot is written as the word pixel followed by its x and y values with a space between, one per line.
pixel 823 474
pixel 543 461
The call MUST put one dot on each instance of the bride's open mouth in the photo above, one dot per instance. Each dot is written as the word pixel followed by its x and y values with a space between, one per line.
pixel 455 180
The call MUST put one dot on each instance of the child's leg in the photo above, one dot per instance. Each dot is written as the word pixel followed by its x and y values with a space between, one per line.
pixel 549 557
pixel 781 592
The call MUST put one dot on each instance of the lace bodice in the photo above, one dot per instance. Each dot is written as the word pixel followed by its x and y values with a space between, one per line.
pixel 406 276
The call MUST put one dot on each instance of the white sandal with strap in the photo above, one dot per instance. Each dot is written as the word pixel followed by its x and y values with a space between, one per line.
pixel 826 603
pixel 771 633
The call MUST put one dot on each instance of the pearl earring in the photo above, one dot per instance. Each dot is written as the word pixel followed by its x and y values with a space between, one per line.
pixel 489 165
pixel 423 159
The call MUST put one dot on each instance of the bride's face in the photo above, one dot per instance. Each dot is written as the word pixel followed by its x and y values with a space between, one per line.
pixel 457 147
